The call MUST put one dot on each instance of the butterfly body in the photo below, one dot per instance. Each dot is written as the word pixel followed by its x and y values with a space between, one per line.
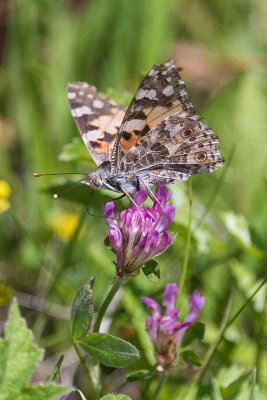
pixel 158 139
pixel 120 182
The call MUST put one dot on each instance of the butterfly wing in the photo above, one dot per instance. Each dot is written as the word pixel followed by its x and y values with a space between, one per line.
pixel 181 144
pixel 160 95
pixel 98 119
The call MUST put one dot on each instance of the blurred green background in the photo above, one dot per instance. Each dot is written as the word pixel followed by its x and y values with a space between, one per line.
pixel 49 248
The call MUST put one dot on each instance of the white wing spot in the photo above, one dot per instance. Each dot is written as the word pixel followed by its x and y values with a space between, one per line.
pixel 164 73
pixel 152 72
pixel 71 95
pixel 80 111
pixel 169 79
pixel 93 135
pixel 90 96
pixel 81 92
pixel 151 94
pixel 74 86
pixel 98 104
pixel 169 63
pixel 134 124
pixel 168 91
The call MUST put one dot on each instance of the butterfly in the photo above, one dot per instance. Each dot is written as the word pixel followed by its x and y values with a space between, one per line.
pixel 159 138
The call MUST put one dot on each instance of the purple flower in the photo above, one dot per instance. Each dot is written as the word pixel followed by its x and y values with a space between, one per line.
pixel 165 330
pixel 140 233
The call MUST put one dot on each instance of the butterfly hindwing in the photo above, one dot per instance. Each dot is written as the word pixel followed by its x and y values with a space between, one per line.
pixel 178 143
pixel 98 119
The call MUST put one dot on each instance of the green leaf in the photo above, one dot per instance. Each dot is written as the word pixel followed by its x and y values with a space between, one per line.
pixel 253 384
pixel 238 227
pixel 74 151
pixel 18 357
pixel 82 312
pixel 230 391
pixel 55 370
pixel 142 374
pixel 235 383
pixel 191 358
pixel 115 397
pixel 193 334
pixel 91 281
pixel 39 392
pixel 18 354
pixel 109 350
pixel 152 271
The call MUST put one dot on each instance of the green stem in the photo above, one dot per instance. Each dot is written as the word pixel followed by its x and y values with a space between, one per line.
pixel 260 340
pixel 245 304
pixel 212 348
pixel 223 327
pixel 86 366
pixel 188 242
pixel 161 382
pixel 103 308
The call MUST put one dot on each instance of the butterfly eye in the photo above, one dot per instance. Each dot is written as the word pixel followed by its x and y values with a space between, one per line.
pixel 187 132
pixel 201 156
pixel 95 181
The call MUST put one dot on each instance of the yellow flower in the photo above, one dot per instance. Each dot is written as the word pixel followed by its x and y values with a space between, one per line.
pixel 6 292
pixel 63 224
pixel 4 205
pixel 5 191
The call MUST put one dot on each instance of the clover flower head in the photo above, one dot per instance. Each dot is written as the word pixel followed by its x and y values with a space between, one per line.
pixel 164 329
pixel 140 233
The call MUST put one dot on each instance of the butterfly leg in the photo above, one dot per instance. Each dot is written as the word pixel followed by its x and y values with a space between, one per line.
pixel 151 194
pixel 134 203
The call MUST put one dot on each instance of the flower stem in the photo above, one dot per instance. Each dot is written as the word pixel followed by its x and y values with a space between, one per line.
pixel 188 242
pixel 103 308
pixel 95 391
pixel 161 382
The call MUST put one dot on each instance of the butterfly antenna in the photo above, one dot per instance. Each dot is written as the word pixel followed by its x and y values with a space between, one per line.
pixel 36 174
pixel 57 195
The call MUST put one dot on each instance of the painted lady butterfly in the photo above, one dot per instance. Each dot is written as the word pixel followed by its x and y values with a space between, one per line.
pixel 157 139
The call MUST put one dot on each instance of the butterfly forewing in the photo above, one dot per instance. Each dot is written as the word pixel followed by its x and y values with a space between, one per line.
pixel 161 94
pixel 98 119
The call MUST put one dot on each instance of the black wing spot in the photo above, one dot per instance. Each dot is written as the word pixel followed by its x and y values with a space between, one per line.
pixel 126 135
pixel 95 145
pixel 201 156
pixel 187 132
pixel 145 130
pixel 92 128
pixel 140 115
